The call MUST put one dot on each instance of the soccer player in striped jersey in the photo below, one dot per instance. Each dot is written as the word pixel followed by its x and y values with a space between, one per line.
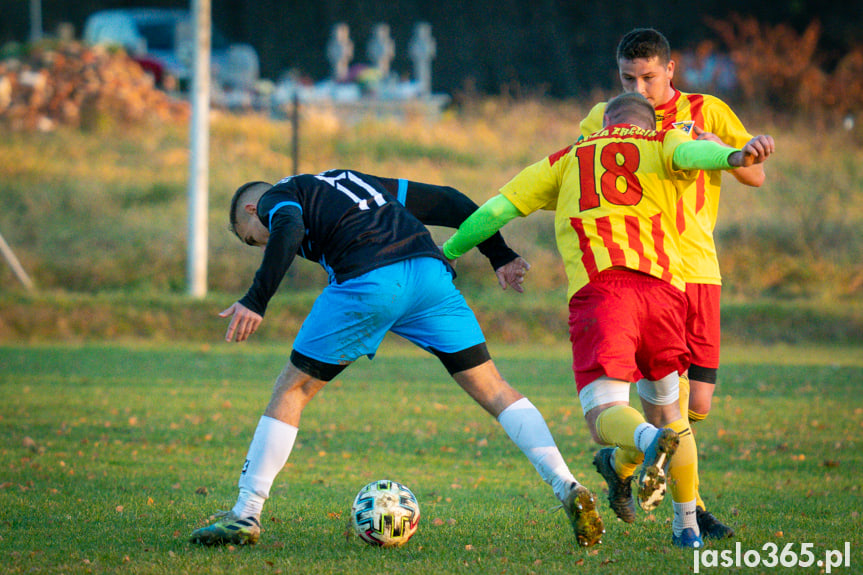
pixel 645 67
pixel 615 195
pixel 386 274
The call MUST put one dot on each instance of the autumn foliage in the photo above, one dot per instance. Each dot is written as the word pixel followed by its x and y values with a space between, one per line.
pixel 779 68
pixel 68 83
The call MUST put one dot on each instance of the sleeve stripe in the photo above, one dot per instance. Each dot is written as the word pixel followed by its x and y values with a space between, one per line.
pixel 403 191
pixel 281 205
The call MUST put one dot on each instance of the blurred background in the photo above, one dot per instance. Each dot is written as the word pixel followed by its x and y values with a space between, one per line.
pixel 95 112
pixel 557 47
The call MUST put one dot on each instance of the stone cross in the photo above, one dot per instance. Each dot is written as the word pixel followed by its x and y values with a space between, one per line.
pixel 340 51
pixel 422 49
pixel 381 49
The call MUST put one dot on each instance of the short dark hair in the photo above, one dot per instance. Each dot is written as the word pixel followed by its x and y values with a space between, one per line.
pixel 235 202
pixel 634 108
pixel 644 43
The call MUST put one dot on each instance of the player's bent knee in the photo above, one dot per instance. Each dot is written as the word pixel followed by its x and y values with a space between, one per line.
pixel 315 368
pixel 665 391
pixel 603 392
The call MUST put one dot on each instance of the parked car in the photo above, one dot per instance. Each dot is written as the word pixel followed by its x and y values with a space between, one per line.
pixel 161 40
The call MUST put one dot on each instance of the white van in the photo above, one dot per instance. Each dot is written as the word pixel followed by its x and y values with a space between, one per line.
pixel 162 41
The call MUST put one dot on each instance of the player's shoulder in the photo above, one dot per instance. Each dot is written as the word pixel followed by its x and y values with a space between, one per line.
pixel 593 121
pixel 710 104
pixel 598 108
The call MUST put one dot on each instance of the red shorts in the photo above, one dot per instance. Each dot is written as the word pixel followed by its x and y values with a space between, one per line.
pixel 702 324
pixel 624 324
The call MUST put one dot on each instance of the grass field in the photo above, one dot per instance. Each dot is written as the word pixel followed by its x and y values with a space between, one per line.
pixel 113 454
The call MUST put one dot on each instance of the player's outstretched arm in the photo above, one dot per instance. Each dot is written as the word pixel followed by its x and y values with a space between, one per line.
pixel 488 219
pixel 748 176
pixel 445 206
pixel 756 151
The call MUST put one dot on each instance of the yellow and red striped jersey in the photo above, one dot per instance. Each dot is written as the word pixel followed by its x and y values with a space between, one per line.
pixel 614 196
pixel 699 206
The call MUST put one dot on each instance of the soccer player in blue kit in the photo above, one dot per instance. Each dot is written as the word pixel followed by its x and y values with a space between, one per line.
pixel 385 274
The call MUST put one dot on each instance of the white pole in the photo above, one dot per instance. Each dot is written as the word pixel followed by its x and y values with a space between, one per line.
pixel 35 20
pixel 17 269
pixel 199 153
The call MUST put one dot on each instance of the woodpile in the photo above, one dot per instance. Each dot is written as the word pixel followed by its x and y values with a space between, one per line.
pixel 69 83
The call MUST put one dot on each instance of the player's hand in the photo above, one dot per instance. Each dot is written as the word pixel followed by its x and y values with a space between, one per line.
pixel 243 323
pixel 701 134
pixel 756 151
pixel 512 274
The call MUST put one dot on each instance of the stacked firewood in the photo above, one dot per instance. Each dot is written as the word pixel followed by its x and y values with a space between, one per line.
pixel 69 83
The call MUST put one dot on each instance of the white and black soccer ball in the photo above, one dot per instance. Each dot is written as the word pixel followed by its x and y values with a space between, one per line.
pixel 385 513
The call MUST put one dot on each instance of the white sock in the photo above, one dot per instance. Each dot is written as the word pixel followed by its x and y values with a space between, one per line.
pixel 268 452
pixel 526 427
pixel 644 435
pixel 684 517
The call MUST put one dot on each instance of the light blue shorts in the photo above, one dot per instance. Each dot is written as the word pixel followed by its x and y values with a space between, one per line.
pixel 415 299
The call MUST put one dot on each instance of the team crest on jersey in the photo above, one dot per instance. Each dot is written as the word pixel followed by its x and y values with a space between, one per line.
pixel 685 125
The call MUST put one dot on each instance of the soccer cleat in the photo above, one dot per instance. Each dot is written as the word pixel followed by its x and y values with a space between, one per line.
pixel 580 507
pixel 619 490
pixel 710 526
pixel 687 539
pixel 651 477
pixel 228 528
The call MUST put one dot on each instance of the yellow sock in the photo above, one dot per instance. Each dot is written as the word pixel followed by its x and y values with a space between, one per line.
pixel 693 420
pixel 694 417
pixel 683 468
pixel 626 461
pixel 616 425
pixel 684 393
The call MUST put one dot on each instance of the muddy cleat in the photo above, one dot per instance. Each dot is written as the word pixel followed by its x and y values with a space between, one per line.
pixel 228 528
pixel 687 539
pixel 619 490
pixel 710 526
pixel 651 477
pixel 580 507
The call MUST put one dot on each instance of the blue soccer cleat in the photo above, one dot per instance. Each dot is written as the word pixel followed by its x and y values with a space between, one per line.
pixel 687 539
pixel 651 477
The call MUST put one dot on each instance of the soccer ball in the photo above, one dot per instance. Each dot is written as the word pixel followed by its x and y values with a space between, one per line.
pixel 385 513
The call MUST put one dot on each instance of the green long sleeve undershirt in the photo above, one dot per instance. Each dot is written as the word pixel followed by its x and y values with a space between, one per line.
pixel 481 225
pixel 498 211
pixel 701 155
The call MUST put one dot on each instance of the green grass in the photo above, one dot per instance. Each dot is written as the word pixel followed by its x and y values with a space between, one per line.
pixel 112 454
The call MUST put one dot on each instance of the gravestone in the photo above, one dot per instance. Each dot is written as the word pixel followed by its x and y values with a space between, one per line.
pixel 381 49
pixel 422 50
pixel 340 51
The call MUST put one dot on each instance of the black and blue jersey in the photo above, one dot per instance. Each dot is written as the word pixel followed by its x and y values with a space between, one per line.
pixel 351 223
